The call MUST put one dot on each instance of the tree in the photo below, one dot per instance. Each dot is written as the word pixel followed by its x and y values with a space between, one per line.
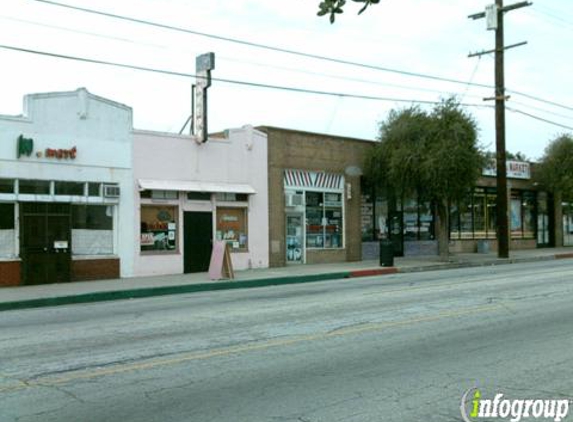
pixel 434 156
pixel 336 7
pixel 555 170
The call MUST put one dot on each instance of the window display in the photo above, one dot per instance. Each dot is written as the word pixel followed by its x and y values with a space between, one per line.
pixel 324 220
pixel 158 228
pixel 232 227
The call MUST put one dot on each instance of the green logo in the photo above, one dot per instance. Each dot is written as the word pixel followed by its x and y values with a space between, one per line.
pixel 25 146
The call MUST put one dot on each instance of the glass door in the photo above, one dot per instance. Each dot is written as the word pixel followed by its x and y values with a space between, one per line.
pixel 294 238
pixel 543 220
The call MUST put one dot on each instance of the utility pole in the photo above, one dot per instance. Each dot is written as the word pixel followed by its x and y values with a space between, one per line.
pixel 494 15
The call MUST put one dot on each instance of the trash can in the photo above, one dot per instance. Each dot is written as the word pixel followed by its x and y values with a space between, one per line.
pixel 483 246
pixel 386 253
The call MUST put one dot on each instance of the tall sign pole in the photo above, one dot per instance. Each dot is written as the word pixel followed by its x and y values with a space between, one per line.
pixel 203 66
pixel 494 15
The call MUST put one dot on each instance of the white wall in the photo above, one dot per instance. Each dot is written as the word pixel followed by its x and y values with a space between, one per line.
pixel 240 158
pixel 100 130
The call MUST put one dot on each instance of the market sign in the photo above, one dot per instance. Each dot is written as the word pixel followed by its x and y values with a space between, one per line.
pixel 515 170
pixel 25 146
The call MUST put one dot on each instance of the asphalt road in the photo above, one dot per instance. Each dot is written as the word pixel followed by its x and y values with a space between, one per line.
pixel 395 348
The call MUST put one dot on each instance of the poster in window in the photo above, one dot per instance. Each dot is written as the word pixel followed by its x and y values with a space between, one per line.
pixel 515 214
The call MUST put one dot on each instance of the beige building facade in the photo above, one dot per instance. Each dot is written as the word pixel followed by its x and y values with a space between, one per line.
pixel 314 197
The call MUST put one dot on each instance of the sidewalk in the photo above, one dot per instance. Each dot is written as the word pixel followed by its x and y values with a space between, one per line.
pixel 92 291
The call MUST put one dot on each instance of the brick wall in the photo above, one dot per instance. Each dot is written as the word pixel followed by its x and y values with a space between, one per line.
pixel 9 273
pixel 95 269
pixel 289 149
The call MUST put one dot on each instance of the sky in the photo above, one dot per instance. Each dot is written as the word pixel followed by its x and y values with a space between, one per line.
pixel 398 38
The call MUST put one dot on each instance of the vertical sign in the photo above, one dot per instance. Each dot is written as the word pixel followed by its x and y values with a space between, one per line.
pixel 203 66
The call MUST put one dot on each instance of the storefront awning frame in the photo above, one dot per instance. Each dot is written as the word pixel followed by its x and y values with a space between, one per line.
pixel 195 186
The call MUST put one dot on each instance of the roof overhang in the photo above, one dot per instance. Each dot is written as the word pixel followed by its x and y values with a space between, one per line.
pixel 195 186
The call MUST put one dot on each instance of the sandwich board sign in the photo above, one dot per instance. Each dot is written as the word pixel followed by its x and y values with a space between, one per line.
pixel 221 265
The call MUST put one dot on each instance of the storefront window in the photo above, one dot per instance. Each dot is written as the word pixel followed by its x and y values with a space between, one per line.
pixel 367 218
pixel 480 207
pixel 466 220
pixel 6 216
pixel 158 228
pixel 199 196
pixel 324 220
pixel 425 231
pixel 6 229
pixel 232 227
pixel 491 214
pixel 159 194
pixel 411 219
pixel 36 187
pixel 232 197
pixel 6 185
pixel 522 210
pixel 69 188
pixel 92 229
pixel 515 221
pixel 454 221
pixel 567 224
pixel 92 217
pixel 94 189
pixel 528 215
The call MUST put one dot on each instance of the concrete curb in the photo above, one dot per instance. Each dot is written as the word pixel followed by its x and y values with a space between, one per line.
pixel 263 282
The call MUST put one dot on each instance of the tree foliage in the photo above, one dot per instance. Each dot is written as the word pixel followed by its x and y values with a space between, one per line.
pixel 336 7
pixel 434 155
pixel 435 151
pixel 555 170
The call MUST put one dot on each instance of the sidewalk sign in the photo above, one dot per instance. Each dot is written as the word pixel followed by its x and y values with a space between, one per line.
pixel 221 265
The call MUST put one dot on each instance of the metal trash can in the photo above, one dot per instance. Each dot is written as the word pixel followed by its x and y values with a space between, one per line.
pixel 386 253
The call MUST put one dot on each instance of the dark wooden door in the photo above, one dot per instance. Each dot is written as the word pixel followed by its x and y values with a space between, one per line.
pixel 45 246
pixel 197 241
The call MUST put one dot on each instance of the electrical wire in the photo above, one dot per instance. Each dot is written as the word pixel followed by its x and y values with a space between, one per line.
pixel 293 52
pixel 262 46
pixel 229 81
pixel 249 62
pixel 539 118
pixel 269 86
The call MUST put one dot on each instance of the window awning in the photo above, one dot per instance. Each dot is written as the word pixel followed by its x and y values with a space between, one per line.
pixel 195 186
pixel 313 179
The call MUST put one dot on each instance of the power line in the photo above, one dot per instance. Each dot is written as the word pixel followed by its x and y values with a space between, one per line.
pixel 344 78
pixel 541 100
pixel 262 46
pixel 249 62
pixel 267 86
pixel 229 81
pixel 539 118
pixel 293 52
pixel 540 109
pixel 77 31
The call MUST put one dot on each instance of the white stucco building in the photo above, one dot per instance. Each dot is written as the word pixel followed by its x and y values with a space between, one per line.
pixel 66 190
pixel 84 196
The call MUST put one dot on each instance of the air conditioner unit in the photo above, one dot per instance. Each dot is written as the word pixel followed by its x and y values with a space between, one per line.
pixel 293 199
pixel 111 191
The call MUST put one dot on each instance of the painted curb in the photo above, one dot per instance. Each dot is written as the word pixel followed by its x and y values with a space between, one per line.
pixel 167 290
pixel 263 282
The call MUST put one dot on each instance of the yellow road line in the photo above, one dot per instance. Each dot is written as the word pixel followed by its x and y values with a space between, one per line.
pixel 122 368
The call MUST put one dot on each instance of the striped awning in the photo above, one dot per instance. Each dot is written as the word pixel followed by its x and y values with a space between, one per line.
pixel 313 179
